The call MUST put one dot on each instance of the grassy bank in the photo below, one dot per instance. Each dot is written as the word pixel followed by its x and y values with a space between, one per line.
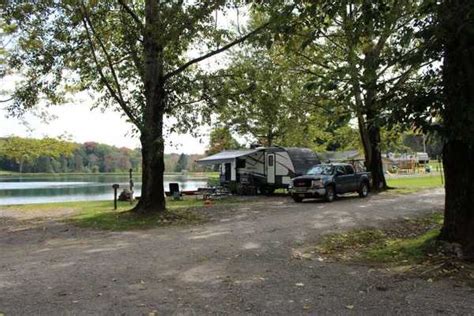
pixel 409 184
pixel 101 215
pixel 406 246
pixel 408 241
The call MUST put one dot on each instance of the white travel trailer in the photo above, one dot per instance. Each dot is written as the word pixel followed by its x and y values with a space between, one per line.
pixel 261 170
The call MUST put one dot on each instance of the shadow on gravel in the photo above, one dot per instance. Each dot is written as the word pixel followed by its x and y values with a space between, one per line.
pixel 338 199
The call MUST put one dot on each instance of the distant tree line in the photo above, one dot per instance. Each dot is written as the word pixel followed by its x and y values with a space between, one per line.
pixel 49 155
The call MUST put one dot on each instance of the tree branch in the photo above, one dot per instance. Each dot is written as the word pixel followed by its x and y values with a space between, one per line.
pixel 107 56
pixel 215 52
pixel 111 90
pixel 132 14
pixel 6 100
pixel 132 49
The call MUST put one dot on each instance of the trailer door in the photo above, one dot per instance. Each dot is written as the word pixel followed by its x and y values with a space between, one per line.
pixel 228 172
pixel 270 168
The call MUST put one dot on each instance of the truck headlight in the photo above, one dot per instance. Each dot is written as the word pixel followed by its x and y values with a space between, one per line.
pixel 317 183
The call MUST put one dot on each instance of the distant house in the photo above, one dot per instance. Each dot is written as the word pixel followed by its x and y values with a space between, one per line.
pixel 356 158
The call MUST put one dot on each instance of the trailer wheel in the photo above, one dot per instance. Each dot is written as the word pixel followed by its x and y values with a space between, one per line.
pixel 266 190
pixel 297 199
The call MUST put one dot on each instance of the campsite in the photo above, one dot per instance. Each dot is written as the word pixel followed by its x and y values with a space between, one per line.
pixel 230 157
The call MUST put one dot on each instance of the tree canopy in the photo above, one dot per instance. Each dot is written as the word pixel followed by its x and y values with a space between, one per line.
pixel 133 55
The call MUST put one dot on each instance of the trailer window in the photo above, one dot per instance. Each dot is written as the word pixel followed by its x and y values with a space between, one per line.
pixel 270 161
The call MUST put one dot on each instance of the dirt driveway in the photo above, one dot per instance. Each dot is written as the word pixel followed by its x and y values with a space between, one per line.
pixel 239 263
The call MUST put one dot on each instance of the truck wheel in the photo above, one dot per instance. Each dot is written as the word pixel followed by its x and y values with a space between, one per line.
pixel 330 194
pixel 297 199
pixel 364 190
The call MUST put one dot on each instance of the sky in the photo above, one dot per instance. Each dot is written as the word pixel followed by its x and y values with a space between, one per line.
pixel 81 124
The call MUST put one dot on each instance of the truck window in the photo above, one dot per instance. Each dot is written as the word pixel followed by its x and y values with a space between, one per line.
pixel 340 170
pixel 349 169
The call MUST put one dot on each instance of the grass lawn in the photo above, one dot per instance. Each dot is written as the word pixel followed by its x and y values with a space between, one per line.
pixel 6 173
pixel 101 215
pixel 408 184
pixel 406 242
pixel 405 246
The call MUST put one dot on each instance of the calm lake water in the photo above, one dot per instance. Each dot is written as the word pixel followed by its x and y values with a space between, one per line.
pixel 62 188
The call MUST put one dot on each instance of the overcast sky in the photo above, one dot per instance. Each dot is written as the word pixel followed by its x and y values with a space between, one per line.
pixel 84 124
pixel 80 123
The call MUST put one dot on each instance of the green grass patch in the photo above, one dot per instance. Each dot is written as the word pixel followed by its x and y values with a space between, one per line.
pixel 403 250
pixel 407 246
pixel 101 215
pixel 6 173
pixel 413 184
pixel 407 242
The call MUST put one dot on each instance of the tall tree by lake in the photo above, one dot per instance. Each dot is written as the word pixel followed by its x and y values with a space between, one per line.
pixel 132 54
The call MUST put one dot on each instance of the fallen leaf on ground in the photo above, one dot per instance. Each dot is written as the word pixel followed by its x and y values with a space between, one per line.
pixel 299 284
pixel 350 306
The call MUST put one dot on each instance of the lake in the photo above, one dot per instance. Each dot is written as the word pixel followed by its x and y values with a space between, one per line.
pixel 31 189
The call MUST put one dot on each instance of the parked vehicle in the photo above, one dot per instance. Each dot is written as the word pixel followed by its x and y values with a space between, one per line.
pixel 328 180
pixel 262 169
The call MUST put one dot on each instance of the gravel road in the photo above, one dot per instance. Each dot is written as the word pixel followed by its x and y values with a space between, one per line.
pixel 240 262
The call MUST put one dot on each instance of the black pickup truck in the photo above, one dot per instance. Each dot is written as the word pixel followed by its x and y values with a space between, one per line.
pixel 328 180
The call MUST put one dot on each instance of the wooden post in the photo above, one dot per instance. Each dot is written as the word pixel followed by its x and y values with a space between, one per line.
pixel 131 186
pixel 115 187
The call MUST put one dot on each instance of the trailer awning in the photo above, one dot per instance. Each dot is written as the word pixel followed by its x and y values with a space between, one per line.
pixel 225 156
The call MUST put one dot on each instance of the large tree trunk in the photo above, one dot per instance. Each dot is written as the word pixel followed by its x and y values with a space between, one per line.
pixel 458 117
pixel 152 197
pixel 370 136
pixel 459 201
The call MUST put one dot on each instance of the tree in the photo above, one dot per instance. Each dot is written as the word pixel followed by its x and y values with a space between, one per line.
pixel 182 163
pixel 262 95
pixel 442 104
pixel 360 52
pixel 23 150
pixel 131 53
pixel 221 139
pixel 457 37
